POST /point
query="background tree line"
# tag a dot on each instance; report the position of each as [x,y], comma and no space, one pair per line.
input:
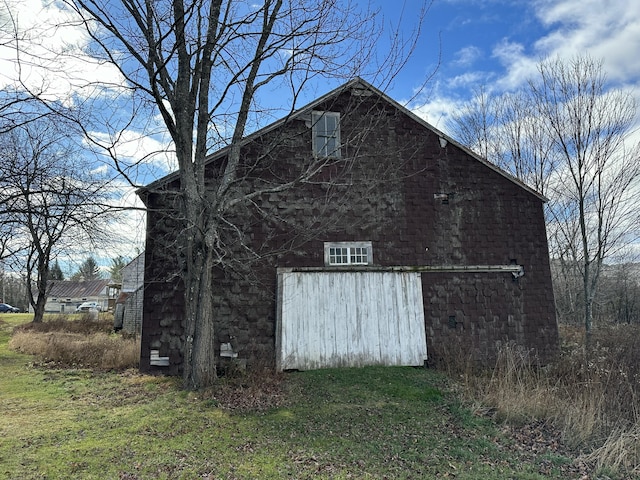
[571,137]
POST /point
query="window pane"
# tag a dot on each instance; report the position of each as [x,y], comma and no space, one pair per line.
[359,255]
[323,147]
[331,146]
[331,124]
[321,126]
[338,256]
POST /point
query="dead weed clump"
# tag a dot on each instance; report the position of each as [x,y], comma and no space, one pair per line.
[518,389]
[61,323]
[77,343]
[590,393]
[599,383]
[620,451]
[254,390]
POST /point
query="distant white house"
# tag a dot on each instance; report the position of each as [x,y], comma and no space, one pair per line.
[128,310]
[66,295]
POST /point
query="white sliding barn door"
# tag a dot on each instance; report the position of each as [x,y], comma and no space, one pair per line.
[349,319]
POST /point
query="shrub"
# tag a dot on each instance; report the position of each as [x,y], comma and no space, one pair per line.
[78,343]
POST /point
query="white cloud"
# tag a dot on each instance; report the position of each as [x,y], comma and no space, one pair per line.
[467,56]
[467,80]
[124,234]
[519,67]
[436,110]
[134,147]
[43,47]
[129,231]
[605,30]
[101,170]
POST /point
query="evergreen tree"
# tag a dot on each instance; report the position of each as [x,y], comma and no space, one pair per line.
[88,271]
[117,264]
[56,272]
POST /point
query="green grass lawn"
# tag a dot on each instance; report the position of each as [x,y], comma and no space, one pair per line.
[341,424]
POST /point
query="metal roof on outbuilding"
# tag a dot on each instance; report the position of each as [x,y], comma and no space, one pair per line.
[71,289]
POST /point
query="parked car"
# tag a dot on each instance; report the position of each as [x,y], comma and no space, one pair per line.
[86,306]
[6,308]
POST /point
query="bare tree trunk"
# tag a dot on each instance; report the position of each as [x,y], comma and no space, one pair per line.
[199,365]
[38,315]
[588,303]
[199,349]
[42,272]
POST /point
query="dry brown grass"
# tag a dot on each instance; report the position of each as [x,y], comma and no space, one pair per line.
[590,393]
[599,384]
[517,389]
[77,343]
[71,324]
[620,451]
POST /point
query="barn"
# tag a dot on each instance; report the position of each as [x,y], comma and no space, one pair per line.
[403,248]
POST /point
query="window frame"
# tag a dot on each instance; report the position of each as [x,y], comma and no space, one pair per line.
[320,134]
[349,255]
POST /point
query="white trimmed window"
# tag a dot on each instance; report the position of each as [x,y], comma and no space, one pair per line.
[326,134]
[348,253]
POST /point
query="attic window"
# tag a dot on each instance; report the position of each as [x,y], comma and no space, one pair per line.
[326,134]
[348,253]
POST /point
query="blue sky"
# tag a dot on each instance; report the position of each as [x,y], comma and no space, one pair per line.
[469,43]
[497,43]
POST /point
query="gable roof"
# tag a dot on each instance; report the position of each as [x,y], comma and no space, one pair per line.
[360,84]
[71,289]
